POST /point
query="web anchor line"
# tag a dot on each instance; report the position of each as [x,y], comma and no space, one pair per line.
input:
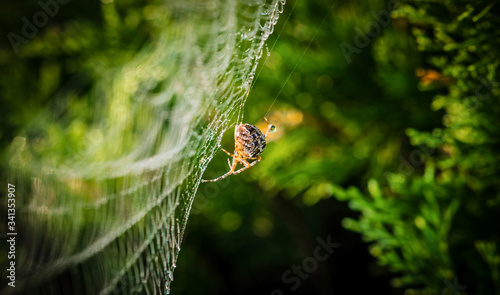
[238,120]
[301,56]
[275,41]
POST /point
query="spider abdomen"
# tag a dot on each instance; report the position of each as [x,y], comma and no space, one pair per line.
[249,140]
[249,143]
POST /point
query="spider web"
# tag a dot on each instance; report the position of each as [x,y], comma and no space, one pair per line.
[107,214]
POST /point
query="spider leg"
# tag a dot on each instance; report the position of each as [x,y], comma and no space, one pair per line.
[231,155]
[247,165]
[225,175]
[232,167]
[268,127]
[244,162]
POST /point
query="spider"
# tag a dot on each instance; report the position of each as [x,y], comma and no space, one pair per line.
[249,143]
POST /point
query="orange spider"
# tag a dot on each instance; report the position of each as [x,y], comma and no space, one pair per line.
[249,143]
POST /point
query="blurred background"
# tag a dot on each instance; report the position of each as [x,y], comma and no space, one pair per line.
[386,144]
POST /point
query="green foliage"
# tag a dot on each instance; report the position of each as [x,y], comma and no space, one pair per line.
[440,224]
[410,228]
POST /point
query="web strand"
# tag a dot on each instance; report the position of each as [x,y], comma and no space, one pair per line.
[274,43]
[301,56]
[110,215]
